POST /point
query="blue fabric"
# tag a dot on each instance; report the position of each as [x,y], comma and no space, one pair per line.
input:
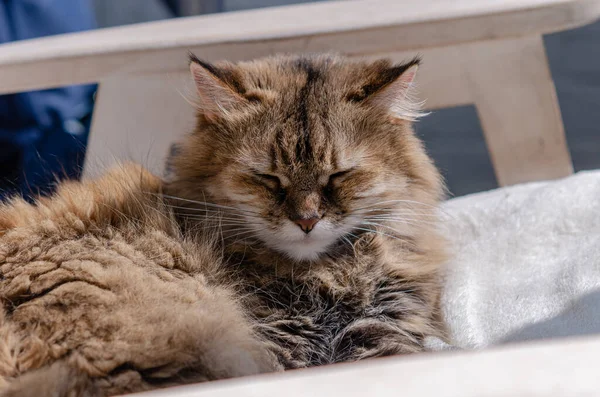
[43,134]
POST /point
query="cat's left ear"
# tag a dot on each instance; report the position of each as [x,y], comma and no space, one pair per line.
[392,88]
[217,97]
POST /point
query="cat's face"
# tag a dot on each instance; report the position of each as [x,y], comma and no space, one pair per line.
[304,153]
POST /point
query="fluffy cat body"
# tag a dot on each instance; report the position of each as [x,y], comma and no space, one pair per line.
[297,228]
[288,140]
[102,295]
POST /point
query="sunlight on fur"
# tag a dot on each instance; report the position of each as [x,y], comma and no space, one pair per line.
[297,227]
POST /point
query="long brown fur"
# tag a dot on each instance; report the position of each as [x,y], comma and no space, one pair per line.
[102,295]
[130,283]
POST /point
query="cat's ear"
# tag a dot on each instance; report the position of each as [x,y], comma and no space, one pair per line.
[216,97]
[392,88]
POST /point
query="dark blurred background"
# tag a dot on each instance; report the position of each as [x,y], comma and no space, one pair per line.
[453,136]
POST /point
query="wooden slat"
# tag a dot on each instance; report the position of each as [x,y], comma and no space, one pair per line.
[137,119]
[549,369]
[354,27]
[514,94]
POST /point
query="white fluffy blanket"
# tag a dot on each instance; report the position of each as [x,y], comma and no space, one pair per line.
[526,264]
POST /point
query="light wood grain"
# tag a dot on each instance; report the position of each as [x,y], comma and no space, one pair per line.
[137,119]
[548,369]
[354,27]
[513,92]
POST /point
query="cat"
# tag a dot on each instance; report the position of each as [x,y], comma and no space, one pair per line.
[297,227]
[325,200]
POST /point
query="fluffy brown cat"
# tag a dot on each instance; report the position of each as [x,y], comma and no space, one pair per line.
[297,228]
[325,199]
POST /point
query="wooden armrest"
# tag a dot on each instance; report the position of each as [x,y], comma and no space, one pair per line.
[353,27]
[558,368]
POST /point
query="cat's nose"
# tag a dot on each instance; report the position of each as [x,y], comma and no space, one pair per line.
[307,224]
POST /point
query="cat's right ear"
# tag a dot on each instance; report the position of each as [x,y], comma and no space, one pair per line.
[215,97]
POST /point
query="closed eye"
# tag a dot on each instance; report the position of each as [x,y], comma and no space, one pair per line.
[271,181]
[338,176]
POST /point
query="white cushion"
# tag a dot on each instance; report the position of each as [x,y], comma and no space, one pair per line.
[526,262]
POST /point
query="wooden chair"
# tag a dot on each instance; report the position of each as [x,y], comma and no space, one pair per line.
[487,53]
[548,369]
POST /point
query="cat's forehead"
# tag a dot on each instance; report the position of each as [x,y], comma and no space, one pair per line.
[304,131]
[290,73]
[302,144]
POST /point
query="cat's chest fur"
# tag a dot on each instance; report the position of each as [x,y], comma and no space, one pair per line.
[308,314]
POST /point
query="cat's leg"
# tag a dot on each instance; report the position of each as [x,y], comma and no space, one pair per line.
[372,337]
[296,341]
[397,321]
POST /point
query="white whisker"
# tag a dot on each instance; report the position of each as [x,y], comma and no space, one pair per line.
[241,234]
[400,201]
[410,221]
[397,201]
[215,214]
[213,220]
[203,203]
[381,233]
[385,226]
[226,225]
[345,239]
[400,214]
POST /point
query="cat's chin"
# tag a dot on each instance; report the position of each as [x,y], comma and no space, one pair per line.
[296,245]
[307,249]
